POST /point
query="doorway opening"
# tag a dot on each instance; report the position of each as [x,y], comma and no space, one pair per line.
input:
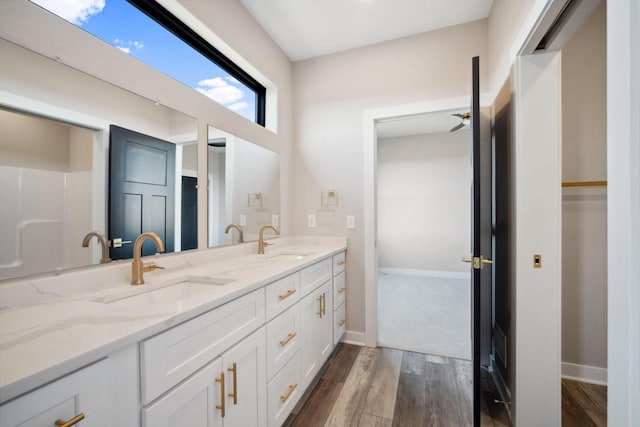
[423,226]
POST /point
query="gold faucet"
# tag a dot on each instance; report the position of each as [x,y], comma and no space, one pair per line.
[103,242]
[237,227]
[138,268]
[261,243]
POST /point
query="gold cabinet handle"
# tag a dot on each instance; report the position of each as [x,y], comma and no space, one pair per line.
[285,397]
[289,338]
[343,262]
[341,290]
[234,369]
[319,313]
[342,322]
[222,405]
[324,304]
[287,295]
[71,422]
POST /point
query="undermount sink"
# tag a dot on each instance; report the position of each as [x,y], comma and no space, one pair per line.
[287,255]
[165,294]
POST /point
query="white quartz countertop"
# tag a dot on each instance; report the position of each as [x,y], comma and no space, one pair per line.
[45,340]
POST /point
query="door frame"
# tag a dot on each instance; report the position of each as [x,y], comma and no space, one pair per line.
[370,118]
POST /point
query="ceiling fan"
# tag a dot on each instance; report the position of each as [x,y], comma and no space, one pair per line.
[466,118]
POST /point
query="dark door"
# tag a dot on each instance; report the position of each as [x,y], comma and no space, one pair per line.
[480,241]
[141,190]
[189,232]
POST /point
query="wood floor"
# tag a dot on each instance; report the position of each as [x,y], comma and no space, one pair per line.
[369,387]
[381,387]
[583,405]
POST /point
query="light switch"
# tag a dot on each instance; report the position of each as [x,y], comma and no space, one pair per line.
[311,221]
[243,220]
[351,222]
[275,219]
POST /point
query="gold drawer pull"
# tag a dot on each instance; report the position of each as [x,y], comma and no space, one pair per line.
[343,262]
[285,397]
[289,338]
[324,304]
[222,405]
[287,295]
[319,313]
[71,422]
[341,290]
[342,322]
[234,369]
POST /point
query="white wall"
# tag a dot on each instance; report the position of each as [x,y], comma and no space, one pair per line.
[584,210]
[423,201]
[331,94]
[505,22]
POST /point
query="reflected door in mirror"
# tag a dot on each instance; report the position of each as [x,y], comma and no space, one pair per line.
[141,190]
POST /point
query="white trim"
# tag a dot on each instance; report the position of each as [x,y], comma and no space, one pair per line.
[584,373]
[354,338]
[623,211]
[425,273]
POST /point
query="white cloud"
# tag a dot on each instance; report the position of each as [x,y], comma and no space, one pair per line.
[75,11]
[127,45]
[231,79]
[221,91]
[238,106]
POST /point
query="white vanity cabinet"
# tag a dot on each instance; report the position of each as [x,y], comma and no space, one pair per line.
[104,392]
[339,296]
[316,314]
[228,392]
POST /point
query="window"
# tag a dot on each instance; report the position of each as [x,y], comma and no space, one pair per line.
[150,33]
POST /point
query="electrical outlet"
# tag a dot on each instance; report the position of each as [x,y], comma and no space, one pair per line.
[351,222]
[275,219]
[243,220]
[311,221]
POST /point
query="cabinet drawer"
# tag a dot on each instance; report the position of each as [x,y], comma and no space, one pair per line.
[314,276]
[339,289]
[173,355]
[282,294]
[284,391]
[283,339]
[339,323]
[192,403]
[339,263]
[85,391]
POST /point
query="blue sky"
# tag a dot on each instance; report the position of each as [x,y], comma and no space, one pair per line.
[122,25]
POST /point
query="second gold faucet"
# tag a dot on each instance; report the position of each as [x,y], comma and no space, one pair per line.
[261,243]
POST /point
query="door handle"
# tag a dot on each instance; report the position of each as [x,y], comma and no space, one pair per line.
[118,242]
[477,261]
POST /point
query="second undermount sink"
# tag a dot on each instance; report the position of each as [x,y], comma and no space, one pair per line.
[287,255]
[167,293]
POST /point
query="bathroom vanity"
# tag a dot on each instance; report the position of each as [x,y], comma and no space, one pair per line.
[222,337]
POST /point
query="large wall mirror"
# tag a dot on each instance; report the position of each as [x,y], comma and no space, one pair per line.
[243,188]
[55,145]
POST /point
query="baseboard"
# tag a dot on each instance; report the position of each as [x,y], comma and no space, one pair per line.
[584,373]
[353,337]
[426,273]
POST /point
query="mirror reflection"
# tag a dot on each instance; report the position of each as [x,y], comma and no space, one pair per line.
[243,188]
[58,201]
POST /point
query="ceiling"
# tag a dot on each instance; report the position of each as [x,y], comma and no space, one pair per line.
[308,28]
[418,125]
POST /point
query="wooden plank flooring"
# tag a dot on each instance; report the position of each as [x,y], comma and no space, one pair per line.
[583,404]
[380,387]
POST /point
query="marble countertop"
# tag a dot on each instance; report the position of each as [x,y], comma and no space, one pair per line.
[65,328]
